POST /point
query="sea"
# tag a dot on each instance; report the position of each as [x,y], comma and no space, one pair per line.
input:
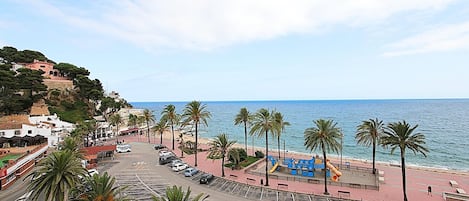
[444,122]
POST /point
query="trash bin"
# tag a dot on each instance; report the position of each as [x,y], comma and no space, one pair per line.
[262,182]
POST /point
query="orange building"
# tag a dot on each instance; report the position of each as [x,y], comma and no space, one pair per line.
[48,68]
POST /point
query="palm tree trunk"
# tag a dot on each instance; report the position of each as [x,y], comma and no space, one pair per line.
[196,142]
[117,134]
[278,144]
[223,165]
[161,138]
[325,170]
[172,132]
[266,158]
[245,137]
[374,155]
[403,175]
[182,147]
[148,134]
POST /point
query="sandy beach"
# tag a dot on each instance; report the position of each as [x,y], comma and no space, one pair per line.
[418,178]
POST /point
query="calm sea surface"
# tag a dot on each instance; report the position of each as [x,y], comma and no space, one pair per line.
[445,124]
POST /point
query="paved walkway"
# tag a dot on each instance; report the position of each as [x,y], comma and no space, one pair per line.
[391,189]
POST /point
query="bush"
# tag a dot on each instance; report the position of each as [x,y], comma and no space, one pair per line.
[259,154]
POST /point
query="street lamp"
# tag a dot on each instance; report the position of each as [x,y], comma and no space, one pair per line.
[341,147]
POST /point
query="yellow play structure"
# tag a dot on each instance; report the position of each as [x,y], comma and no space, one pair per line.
[336,172]
[273,168]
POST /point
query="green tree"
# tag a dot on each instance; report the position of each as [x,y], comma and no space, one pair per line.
[194,113]
[160,127]
[369,133]
[133,119]
[262,123]
[116,120]
[176,193]
[243,117]
[102,188]
[71,71]
[221,144]
[57,175]
[324,136]
[169,113]
[280,128]
[149,117]
[401,135]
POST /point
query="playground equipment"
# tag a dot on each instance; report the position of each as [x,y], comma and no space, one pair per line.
[274,168]
[334,170]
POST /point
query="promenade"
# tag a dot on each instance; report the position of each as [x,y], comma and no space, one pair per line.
[417,179]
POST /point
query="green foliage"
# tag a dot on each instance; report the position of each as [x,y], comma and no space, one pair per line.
[71,111]
[11,54]
[176,193]
[236,155]
[71,70]
[249,160]
[259,154]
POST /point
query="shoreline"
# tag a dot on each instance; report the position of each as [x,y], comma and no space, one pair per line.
[334,158]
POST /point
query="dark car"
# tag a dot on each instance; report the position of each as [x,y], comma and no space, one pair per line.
[166,160]
[206,178]
[159,146]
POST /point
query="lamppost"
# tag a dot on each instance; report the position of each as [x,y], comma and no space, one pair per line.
[284,150]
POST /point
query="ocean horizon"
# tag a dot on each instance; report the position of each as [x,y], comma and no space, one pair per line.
[442,121]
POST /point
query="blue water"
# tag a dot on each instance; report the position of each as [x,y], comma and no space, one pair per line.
[445,123]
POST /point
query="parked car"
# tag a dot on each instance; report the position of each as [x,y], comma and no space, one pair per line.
[164,153]
[189,172]
[166,160]
[123,148]
[206,178]
[92,172]
[174,162]
[179,166]
[159,146]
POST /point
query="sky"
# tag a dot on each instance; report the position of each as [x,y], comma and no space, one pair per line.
[223,50]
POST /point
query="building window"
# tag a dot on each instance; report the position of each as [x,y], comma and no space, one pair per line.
[17,132]
[42,66]
[51,72]
[30,132]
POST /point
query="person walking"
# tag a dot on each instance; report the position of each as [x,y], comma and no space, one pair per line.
[429,191]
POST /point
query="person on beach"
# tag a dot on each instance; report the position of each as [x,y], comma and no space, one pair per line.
[429,191]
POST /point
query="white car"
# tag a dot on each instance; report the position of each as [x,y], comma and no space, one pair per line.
[166,153]
[123,148]
[92,172]
[179,166]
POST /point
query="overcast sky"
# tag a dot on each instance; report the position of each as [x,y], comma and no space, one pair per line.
[253,50]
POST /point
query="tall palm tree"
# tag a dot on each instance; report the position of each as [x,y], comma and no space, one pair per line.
[262,123]
[102,188]
[369,133]
[176,193]
[169,113]
[116,120]
[194,113]
[400,135]
[324,136]
[280,128]
[243,117]
[221,144]
[149,118]
[160,127]
[133,120]
[57,175]
[71,144]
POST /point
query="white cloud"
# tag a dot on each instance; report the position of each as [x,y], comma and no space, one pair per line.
[208,24]
[441,38]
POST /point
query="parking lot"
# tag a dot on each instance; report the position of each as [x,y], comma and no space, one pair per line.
[144,177]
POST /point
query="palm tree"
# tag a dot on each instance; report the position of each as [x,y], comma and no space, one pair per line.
[71,144]
[369,133]
[102,188]
[400,135]
[243,117]
[177,194]
[149,117]
[221,144]
[133,120]
[194,113]
[262,123]
[116,120]
[280,128]
[169,113]
[323,136]
[160,127]
[56,175]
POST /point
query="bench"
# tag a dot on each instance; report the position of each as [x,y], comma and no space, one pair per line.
[453,183]
[233,176]
[460,190]
[343,193]
[280,185]
[381,179]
